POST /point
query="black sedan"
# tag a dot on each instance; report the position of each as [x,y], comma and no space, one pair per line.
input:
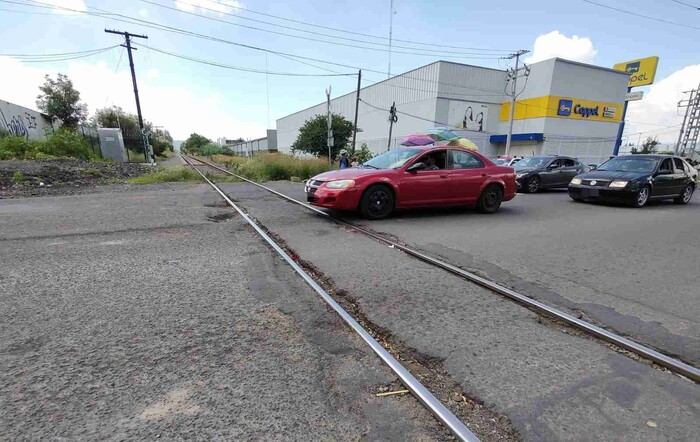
[636,179]
[546,172]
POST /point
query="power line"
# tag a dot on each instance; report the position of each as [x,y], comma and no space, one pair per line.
[241,68]
[661,20]
[686,4]
[354,40]
[26,12]
[440,123]
[149,24]
[48,58]
[61,53]
[349,32]
[472,55]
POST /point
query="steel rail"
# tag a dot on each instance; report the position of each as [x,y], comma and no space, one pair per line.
[456,427]
[659,358]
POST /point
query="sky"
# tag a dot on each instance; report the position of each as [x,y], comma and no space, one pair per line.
[186,96]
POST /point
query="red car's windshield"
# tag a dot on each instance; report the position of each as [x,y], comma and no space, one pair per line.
[392,159]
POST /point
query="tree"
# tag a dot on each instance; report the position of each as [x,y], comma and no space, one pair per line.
[59,99]
[195,143]
[362,154]
[648,146]
[313,136]
[114,116]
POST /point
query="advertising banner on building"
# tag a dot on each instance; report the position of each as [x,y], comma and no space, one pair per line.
[468,115]
[564,107]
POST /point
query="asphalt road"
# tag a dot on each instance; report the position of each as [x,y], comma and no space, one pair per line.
[635,271]
[150,314]
[553,384]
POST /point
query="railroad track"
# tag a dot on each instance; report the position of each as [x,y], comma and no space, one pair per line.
[670,363]
[444,415]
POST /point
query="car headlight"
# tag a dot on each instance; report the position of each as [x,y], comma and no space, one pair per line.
[618,184]
[340,184]
[576,181]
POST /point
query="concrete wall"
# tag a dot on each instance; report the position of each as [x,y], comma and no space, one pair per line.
[24,122]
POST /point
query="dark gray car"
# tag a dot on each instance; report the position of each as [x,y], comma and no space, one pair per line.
[546,172]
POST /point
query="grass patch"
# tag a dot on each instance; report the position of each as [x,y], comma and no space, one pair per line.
[175,174]
[17,177]
[274,166]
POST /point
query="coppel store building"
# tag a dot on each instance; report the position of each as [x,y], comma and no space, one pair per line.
[564,108]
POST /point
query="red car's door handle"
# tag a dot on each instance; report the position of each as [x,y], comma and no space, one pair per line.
[444,176]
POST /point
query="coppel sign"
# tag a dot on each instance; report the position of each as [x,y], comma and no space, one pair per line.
[641,72]
[566,107]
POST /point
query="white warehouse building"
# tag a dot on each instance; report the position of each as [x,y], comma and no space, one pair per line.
[563,107]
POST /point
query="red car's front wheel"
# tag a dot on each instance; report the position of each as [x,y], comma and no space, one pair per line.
[377,202]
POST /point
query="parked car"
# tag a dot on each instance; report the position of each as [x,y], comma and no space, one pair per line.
[546,172]
[636,179]
[506,161]
[414,177]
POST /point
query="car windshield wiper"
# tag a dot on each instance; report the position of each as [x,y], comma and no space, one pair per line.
[369,165]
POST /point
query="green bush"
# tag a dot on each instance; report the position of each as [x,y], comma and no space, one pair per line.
[211,149]
[63,143]
[278,166]
[67,143]
[12,147]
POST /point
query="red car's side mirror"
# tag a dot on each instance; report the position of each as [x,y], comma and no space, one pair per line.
[415,167]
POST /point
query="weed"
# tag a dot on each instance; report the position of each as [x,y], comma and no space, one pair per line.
[274,166]
[17,177]
[167,175]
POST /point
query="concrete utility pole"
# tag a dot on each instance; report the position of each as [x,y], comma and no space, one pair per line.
[690,129]
[330,126]
[127,39]
[357,107]
[393,118]
[513,75]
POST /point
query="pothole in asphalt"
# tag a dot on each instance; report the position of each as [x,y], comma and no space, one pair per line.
[220,217]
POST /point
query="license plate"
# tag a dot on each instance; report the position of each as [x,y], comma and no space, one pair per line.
[592,193]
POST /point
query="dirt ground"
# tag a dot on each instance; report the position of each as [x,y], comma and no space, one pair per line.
[61,177]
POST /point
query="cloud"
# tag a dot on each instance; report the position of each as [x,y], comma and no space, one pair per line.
[555,44]
[152,73]
[660,107]
[76,5]
[179,109]
[143,12]
[208,6]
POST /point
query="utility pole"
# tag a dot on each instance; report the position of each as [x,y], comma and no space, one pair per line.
[127,39]
[688,136]
[357,107]
[391,29]
[513,75]
[393,118]
[330,126]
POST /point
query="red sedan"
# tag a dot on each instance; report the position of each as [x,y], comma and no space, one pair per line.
[415,177]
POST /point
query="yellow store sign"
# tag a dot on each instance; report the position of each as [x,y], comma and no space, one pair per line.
[642,71]
[563,107]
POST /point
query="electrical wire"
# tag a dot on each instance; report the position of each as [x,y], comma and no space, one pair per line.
[50,58]
[472,56]
[240,8]
[172,29]
[661,20]
[439,123]
[686,4]
[60,53]
[240,68]
[445,53]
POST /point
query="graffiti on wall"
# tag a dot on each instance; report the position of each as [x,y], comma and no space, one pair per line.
[22,122]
